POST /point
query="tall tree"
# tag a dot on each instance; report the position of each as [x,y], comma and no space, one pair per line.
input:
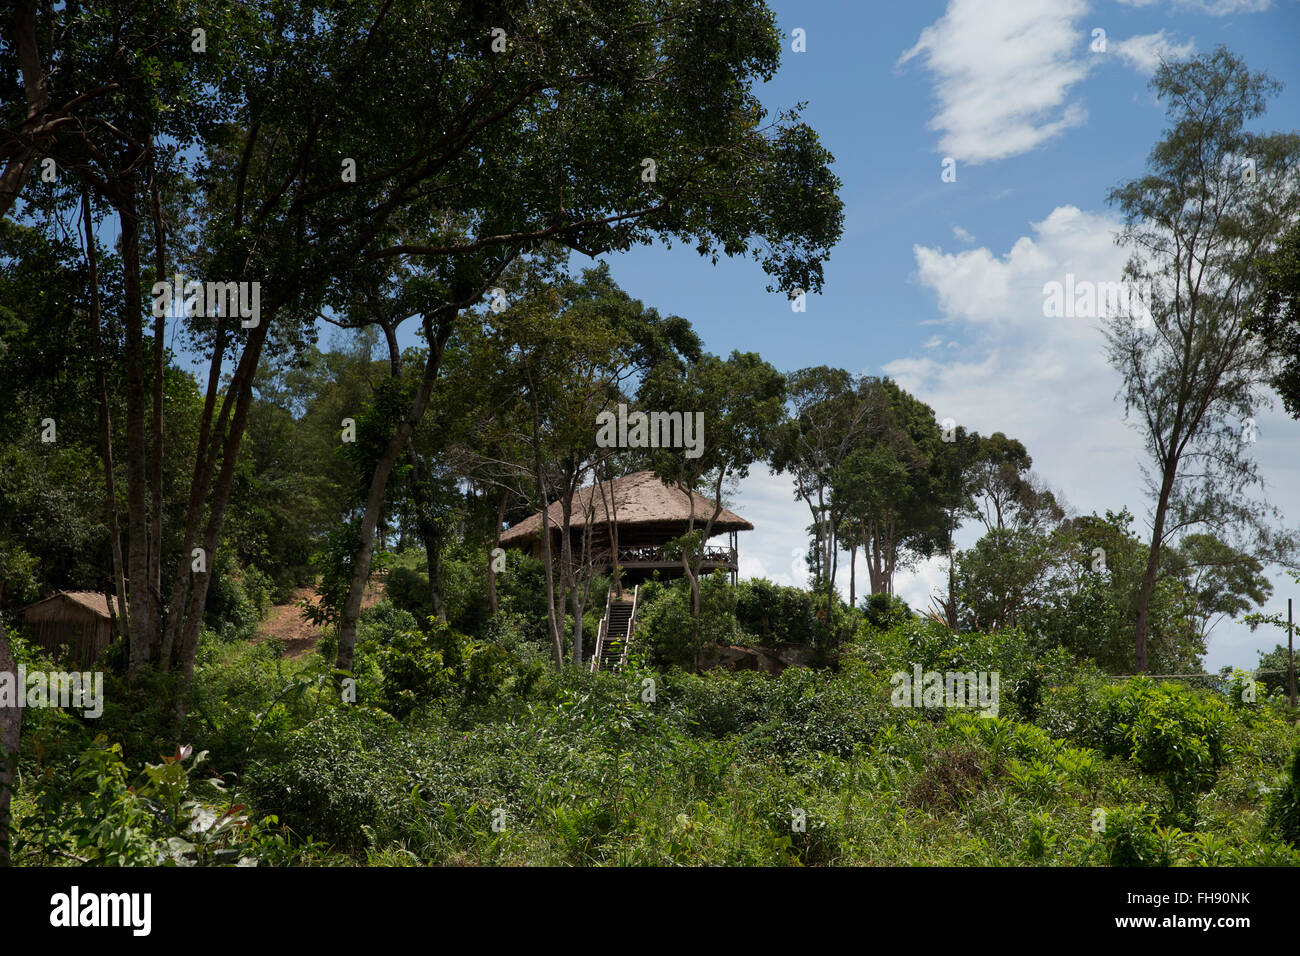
[1214,199]
[741,400]
[11,726]
[829,417]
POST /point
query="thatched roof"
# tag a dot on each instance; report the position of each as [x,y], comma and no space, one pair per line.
[636,499]
[63,604]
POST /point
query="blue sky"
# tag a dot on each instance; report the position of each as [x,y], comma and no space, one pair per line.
[939,284]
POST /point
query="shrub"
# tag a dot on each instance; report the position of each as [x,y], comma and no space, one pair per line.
[1173,733]
[667,628]
[1284,807]
[883,611]
[948,778]
[102,814]
[1133,837]
[345,769]
[237,599]
[408,590]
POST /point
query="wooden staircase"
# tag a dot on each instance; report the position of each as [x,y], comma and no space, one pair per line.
[615,634]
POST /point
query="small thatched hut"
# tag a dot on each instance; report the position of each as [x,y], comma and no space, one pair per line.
[640,514]
[75,622]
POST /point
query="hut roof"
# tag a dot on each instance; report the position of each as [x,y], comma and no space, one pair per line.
[63,601]
[636,499]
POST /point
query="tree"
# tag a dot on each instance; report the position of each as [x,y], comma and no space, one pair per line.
[829,417]
[1095,575]
[741,400]
[1277,321]
[900,484]
[290,98]
[1004,491]
[1219,580]
[1193,373]
[1006,576]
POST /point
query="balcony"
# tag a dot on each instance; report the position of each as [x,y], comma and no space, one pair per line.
[651,557]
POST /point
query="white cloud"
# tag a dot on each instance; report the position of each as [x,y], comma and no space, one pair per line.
[1042,380]
[933,342]
[963,235]
[1223,8]
[1047,382]
[1144,52]
[1003,71]
[1215,8]
[775,548]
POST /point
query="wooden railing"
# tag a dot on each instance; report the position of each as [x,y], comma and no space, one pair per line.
[660,555]
[631,623]
[600,633]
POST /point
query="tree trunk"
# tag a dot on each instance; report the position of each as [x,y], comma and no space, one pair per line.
[157,451]
[1141,623]
[853,572]
[105,423]
[142,624]
[182,592]
[242,384]
[548,563]
[375,496]
[36,84]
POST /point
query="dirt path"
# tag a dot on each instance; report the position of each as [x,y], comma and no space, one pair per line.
[300,636]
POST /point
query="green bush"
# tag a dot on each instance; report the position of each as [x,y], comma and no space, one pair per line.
[796,713]
[667,630]
[775,614]
[1175,734]
[103,814]
[1284,807]
[237,600]
[1133,837]
[343,773]
[883,611]
[408,590]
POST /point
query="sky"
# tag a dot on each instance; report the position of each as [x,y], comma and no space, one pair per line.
[939,284]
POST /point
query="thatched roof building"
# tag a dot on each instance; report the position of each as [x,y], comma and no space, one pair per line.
[639,514]
[75,622]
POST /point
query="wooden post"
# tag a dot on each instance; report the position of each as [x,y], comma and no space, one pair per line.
[1290,644]
[735,560]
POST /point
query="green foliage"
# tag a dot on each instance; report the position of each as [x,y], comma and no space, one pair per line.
[168,814]
[1135,838]
[1177,735]
[667,628]
[1284,807]
[777,614]
[713,770]
[418,668]
[339,774]
[238,599]
[883,611]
